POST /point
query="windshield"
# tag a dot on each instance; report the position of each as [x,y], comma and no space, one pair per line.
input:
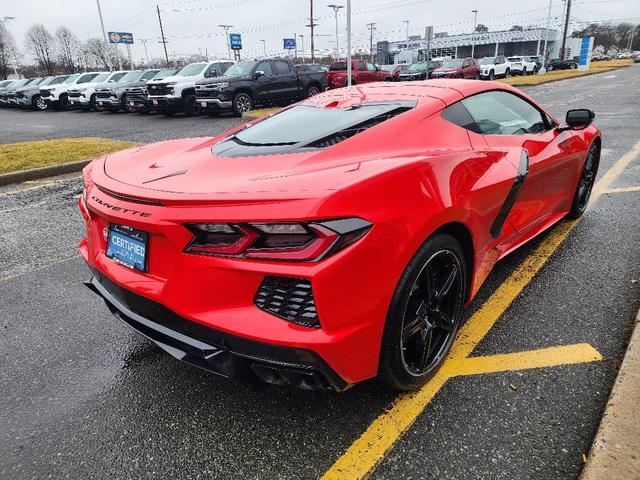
[100,78]
[487,60]
[192,69]
[47,81]
[305,123]
[239,69]
[418,67]
[20,83]
[131,77]
[148,75]
[338,66]
[58,80]
[117,76]
[453,64]
[165,73]
[5,83]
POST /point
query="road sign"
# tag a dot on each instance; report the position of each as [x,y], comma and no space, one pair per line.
[235,39]
[121,37]
[289,43]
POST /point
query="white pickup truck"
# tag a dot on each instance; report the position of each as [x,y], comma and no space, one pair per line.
[492,67]
[56,96]
[177,93]
[84,96]
[522,66]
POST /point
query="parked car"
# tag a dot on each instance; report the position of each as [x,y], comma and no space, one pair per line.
[558,64]
[178,92]
[361,72]
[136,95]
[419,71]
[522,66]
[395,70]
[30,97]
[493,67]
[315,68]
[84,97]
[9,90]
[334,241]
[57,96]
[14,92]
[112,98]
[458,68]
[259,83]
[4,85]
[539,60]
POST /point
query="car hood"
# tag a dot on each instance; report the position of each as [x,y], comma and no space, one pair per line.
[188,170]
[175,78]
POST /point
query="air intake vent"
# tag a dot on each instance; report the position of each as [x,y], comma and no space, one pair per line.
[288,298]
[342,135]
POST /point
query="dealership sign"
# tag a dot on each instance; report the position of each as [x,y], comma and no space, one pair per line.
[235,40]
[289,43]
[121,37]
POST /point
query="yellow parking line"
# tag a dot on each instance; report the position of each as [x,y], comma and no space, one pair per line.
[368,449]
[621,190]
[544,357]
[42,267]
[39,185]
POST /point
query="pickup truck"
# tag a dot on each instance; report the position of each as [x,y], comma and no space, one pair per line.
[492,67]
[57,96]
[177,93]
[361,72]
[84,96]
[258,83]
[522,66]
[113,98]
[136,96]
[29,96]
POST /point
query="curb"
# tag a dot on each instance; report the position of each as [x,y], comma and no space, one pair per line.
[615,453]
[42,172]
[551,80]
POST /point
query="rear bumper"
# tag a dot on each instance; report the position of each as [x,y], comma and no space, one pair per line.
[248,362]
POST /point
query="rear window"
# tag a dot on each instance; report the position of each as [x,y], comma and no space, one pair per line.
[336,67]
[308,126]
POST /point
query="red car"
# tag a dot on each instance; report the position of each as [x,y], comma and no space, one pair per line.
[458,68]
[338,239]
[361,72]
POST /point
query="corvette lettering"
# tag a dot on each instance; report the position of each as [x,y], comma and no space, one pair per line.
[115,208]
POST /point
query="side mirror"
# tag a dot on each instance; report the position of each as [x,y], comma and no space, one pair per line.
[258,74]
[577,119]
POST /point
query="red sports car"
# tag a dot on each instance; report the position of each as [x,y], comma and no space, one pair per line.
[338,239]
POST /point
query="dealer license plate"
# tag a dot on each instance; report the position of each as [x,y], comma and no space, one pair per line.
[128,246]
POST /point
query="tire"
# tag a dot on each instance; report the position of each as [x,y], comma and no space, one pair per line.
[63,102]
[312,90]
[125,105]
[573,66]
[242,103]
[388,79]
[476,76]
[585,183]
[507,73]
[524,72]
[92,102]
[549,68]
[39,103]
[417,318]
[492,75]
[191,108]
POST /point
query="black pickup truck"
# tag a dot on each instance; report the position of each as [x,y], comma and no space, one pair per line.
[247,85]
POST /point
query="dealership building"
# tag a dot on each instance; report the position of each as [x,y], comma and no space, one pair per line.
[529,41]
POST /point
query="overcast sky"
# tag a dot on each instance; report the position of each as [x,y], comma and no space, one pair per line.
[191,25]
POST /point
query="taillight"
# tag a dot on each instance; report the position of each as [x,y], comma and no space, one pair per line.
[86,181]
[288,241]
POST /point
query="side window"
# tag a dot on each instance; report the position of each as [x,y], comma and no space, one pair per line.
[211,71]
[458,115]
[503,113]
[371,67]
[225,66]
[281,68]
[361,66]
[265,67]
[465,63]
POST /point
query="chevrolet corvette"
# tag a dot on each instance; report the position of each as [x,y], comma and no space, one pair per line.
[337,240]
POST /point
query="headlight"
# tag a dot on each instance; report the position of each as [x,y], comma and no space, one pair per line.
[222,85]
[113,89]
[301,242]
[170,83]
[82,89]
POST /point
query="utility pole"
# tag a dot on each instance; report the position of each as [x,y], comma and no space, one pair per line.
[336,8]
[349,43]
[406,22]
[312,25]
[633,32]
[475,25]
[226,34]
[164,40]
[566,28]
[295,46]
[543,69]
[371,26]
[146,54]
[104,33]
[264,48]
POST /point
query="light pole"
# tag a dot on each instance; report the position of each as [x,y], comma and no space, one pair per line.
[264,48]
[226,34]
[336,9]
[372,27]
[475,24]
[15,51]
[349,43]
[406,22]
[302,46]
[146,53]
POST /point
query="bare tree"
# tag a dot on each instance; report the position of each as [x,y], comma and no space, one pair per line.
[69,51]
[100,52]
[8,52]
[41,44]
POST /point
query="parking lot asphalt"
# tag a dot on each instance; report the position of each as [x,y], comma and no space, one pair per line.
[85,397]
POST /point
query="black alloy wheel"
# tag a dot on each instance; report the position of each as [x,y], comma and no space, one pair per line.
[92,103]
[425,314]
[191,107]
[476,76]
[586,182]
[63,102]
[312,90]
[40,103]
[492,75]
[242,103]
[507,73]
